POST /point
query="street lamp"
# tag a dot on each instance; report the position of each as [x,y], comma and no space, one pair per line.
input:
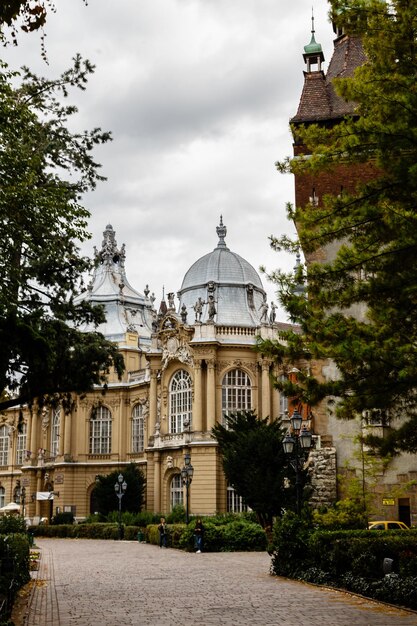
[120,488]
[20,496]
[297,444]
[187,477]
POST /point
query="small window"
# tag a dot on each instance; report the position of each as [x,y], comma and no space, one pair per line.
[55,431]
[177,494]
[235,503]
[2,496]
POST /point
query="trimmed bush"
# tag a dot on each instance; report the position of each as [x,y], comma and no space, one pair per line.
[351,560]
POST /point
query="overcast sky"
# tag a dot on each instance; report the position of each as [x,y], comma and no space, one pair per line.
[197,94]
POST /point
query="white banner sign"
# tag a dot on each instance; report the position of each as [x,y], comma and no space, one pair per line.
[44,495]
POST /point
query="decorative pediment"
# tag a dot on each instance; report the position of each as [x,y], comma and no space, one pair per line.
[174,339]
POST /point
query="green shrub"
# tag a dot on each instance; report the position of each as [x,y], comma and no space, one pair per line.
[291,536]
[177,515]
[12,524]
[63,518]
[222,535]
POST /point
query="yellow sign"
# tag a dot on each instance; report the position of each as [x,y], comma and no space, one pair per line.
[388,501]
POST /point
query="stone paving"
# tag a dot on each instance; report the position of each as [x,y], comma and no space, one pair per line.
[111,583]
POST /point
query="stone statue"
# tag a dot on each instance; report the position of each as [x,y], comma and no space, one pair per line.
[264,311]
[272,315]
[198,308]
[171,300]
[211,308]
[184,314]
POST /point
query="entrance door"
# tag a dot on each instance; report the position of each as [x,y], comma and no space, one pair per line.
[404,510]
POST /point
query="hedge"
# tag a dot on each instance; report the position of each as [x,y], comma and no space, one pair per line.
[351,559]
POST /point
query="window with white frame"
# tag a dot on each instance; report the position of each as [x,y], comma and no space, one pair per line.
[180,401]
[137,429]
[2,496]
[177,492]
[100,431]
[236,392]
[55,431]
[283,400]
[235,503]
[21,445]
[4,445]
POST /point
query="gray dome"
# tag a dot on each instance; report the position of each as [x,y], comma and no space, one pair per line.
[229,280]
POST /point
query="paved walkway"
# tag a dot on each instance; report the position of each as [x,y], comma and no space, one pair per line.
[112,583]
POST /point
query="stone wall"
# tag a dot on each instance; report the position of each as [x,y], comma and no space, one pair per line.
[323,471]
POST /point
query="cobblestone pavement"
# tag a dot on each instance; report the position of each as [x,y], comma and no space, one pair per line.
[112,583]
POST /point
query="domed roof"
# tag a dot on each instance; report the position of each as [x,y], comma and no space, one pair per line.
[225,280]
[125,308]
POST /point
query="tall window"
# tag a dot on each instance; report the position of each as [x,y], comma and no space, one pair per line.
[55,431]
[177,494]
[180,401]
[236,392]
[235,503]
[4,445]
[137,429]
[2,496]
[21,445]
[100,431]
[283,400]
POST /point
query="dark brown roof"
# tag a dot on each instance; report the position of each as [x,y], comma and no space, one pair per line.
[318,100]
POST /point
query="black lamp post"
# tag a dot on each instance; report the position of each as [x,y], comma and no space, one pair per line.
[120,488]
[296,445]
[20,497]
[187,477]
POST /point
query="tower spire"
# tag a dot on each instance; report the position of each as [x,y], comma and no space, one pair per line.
[313,53]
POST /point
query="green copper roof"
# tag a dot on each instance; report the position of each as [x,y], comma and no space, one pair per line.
[313,47]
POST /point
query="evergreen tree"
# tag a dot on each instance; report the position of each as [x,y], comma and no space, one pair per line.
[374,229]
[44,170]
[255,464]
[104,496]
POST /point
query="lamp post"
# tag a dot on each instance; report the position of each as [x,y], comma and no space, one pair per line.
[21,497]
[297,444]
[120,488]
[187,477]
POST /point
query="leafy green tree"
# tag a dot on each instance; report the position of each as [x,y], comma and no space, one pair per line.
[44,170]
[104,496]
[255,464]
[374,229]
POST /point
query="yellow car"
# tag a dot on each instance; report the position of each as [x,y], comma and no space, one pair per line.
[387,525]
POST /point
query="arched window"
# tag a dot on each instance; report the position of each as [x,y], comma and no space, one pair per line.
[55,431]
[235,503]
[21,445]
[4,445]
[180,405]
[177,494]
[100,431]
[2,496]
[137,429]
[236,392]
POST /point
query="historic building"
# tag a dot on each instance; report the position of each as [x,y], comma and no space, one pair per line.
[393,484]
[186,365]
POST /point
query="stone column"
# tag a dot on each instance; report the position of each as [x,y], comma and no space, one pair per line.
[157,480]
[33,436]
[62,422]
[152,403]
[197,424]
[266,390]
[29,436]
[211,394]
[38,488]
[67,434]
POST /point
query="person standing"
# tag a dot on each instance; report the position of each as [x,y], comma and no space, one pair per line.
[198,533]
[162,528]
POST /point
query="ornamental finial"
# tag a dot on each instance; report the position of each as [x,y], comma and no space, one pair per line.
[221,231]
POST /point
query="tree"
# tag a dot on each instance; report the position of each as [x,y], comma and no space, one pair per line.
[374,228]
[254,463]
[104,496]
[29,15]
[44,170]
